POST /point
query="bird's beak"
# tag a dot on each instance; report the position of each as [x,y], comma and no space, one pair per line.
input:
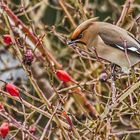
[71,42]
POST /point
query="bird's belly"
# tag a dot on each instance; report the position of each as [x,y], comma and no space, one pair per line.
[117,56]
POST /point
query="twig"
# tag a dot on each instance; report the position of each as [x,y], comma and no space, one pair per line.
[138,27]
[125,50]
[48,123]
[113,87]
[125,132]
[62,3]
[21,26]
[81,9]
[16,123]
[125,10]
[45,113]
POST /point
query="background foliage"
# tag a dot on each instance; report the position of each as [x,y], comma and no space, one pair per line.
[52,109]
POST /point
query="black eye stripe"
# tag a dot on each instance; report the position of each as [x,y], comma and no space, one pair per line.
[79,36]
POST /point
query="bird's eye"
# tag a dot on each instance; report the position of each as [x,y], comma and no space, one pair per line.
[80,36]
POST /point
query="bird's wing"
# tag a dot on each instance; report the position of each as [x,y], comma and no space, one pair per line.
[120,39]
[138,41]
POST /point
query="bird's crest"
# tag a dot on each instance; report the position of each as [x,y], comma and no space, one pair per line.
[82,27]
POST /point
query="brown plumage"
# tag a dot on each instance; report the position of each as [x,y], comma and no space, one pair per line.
[112,43]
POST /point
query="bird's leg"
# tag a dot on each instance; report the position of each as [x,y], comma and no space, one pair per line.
[113,88]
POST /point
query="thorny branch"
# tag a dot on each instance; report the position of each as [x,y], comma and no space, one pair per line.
[91,105]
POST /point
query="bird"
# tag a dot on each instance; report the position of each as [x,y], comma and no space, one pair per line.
[111,43]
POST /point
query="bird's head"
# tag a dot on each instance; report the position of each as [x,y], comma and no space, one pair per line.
[85,33]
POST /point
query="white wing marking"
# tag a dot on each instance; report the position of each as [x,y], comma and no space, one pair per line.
[130,48]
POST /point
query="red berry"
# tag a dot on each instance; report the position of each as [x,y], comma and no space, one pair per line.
[4,129]
[63,76]
[67,118]
[7,39]
[12,89]
[28,57]
[1,106]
